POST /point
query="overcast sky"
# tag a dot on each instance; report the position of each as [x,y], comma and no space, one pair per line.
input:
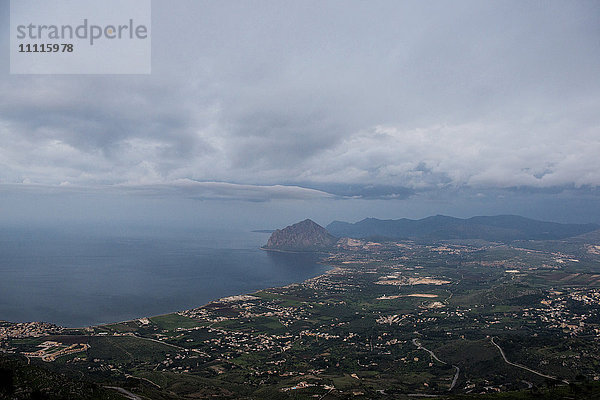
[389,109]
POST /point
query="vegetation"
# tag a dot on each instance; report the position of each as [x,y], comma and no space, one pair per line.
[389,320]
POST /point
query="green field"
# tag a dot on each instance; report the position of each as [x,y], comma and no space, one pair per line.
[335,337]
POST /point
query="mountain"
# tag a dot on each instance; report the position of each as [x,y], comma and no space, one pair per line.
[500,228]
[303,236]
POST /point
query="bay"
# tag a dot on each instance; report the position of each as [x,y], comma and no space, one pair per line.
[79,277]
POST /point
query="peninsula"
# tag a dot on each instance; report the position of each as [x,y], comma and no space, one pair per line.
[392,319]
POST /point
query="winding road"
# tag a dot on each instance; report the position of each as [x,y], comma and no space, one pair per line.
[420,347]
[524,367]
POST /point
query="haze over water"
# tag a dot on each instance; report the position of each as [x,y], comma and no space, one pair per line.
[80,278]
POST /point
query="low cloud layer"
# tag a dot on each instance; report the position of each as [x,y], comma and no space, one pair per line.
[312,99]
[226,191]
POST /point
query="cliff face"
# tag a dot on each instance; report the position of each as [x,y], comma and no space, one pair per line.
[303,236]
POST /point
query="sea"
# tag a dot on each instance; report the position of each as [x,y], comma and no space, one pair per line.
[81,277]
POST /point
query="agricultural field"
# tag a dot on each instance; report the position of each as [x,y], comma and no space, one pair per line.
[397,320]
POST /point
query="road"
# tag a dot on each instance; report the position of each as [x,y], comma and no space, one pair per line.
[142,379]
[159,341]
[524,367]
[420,347]
[126,393]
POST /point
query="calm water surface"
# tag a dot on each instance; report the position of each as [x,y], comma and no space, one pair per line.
[80,278]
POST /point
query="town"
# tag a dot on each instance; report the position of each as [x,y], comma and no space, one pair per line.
[388,319]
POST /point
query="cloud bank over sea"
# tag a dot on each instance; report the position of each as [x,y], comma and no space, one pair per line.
[312,101]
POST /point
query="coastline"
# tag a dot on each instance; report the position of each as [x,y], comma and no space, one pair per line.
[330,269]
[87,327]
[263,248]
[124,279]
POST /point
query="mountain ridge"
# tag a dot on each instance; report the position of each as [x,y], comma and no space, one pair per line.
[502,228]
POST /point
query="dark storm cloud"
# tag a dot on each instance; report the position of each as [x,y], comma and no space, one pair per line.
[376,100]
[90,130]
[92,114]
